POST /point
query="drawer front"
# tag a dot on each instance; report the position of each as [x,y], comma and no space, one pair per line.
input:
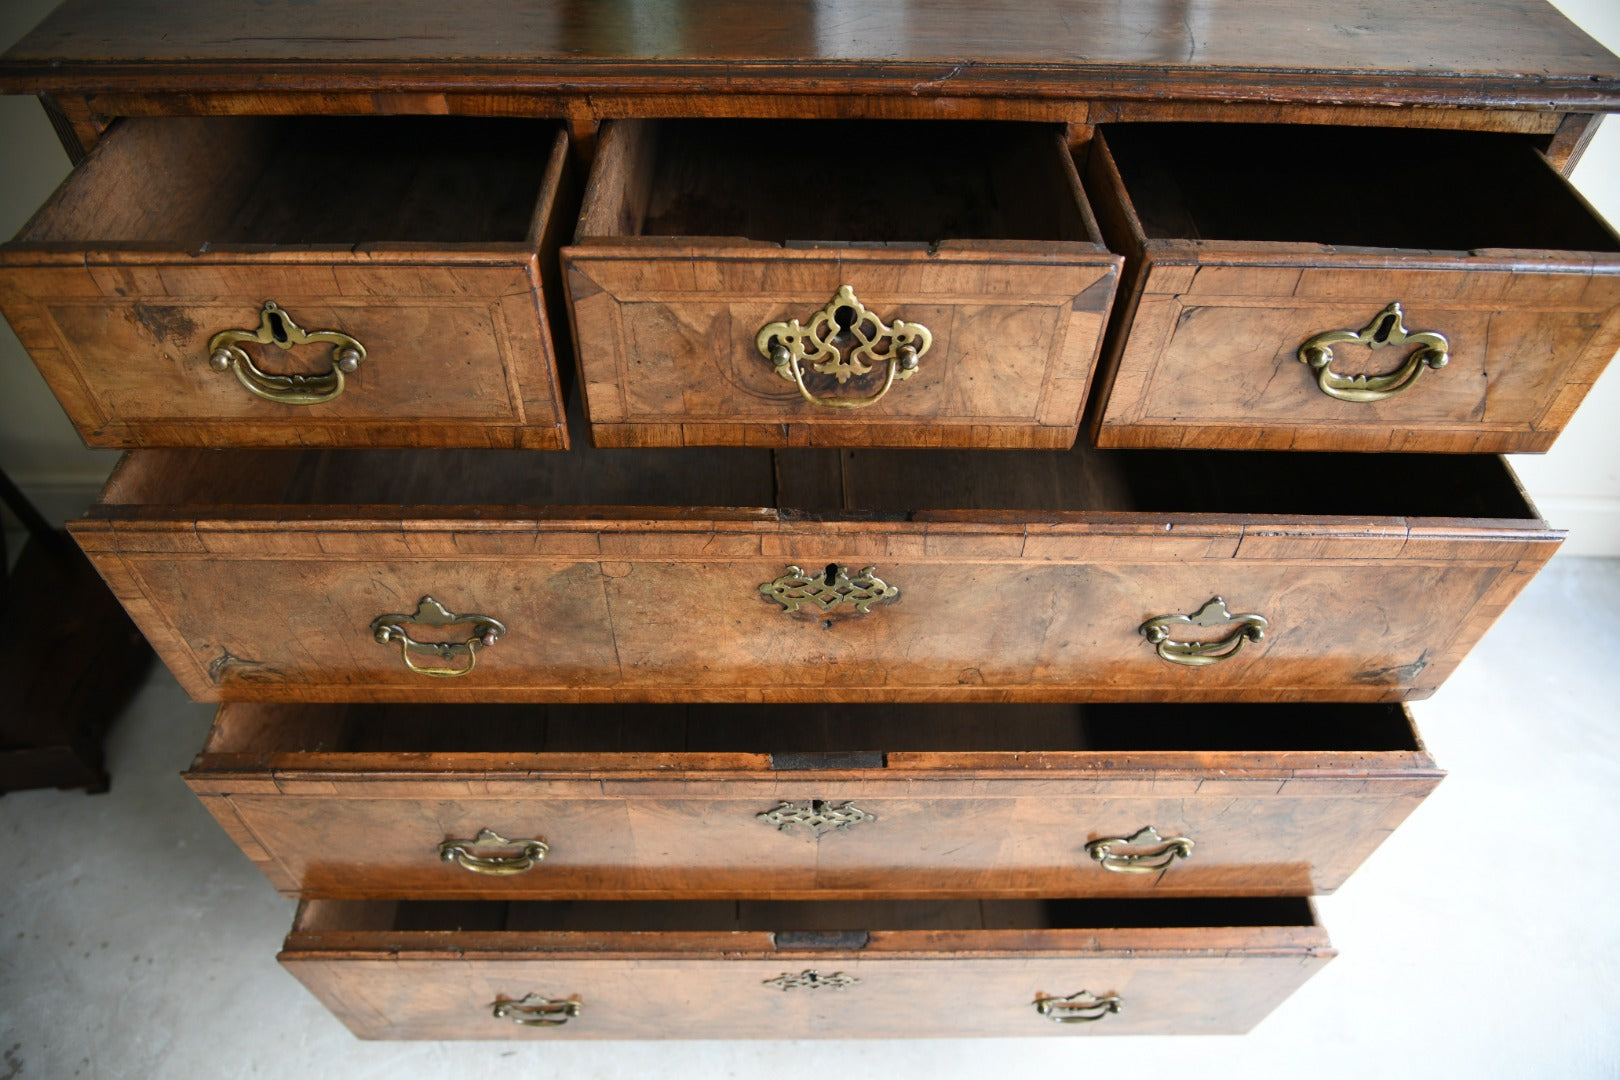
[1350,316]
[293,614]
[1213,354]
[663,981]
[255,304]
[669,345]
[377,834]
[456,351]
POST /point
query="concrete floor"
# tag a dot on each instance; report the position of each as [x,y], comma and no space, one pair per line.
[1479,941]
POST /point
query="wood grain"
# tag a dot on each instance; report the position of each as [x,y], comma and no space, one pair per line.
[710,968]
[116,287]
[1276,52]
[1040,600]
[1204,352]
[353,803]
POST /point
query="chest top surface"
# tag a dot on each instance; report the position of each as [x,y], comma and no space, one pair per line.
[1481,53]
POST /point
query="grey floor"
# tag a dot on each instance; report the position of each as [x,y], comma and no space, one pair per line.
[1480,940]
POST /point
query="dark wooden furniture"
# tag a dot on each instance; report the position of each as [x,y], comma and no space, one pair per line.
[851,684]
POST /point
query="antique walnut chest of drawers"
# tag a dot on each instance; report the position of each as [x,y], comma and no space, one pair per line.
[804,518]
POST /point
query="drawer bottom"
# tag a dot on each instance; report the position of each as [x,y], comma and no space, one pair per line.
[815,969]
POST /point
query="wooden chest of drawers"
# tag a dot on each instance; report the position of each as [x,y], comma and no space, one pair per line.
[817,673]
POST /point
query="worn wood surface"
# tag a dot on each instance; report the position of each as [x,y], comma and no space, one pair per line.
[349,802]
[1221,297]
[692,238]
[1474,53]
[1024,577]
[432,260]
[389,972]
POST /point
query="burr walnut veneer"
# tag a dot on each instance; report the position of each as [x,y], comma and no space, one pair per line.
[616,464]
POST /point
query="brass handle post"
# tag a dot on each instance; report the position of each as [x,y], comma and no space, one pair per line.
[276,327]
[1247,627]
[844,322]
[491,853]
[429,612]
[1386,329]
[532,1010]
[1144,852]
[1081,1008]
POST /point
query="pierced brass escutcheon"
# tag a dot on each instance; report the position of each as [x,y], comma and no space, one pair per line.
[1386,329]
[1082,1008]
[1202,653]
[830,589]
[276,327]
[535,1011]
[429,612]
[818,816]
[845,321]
[812,980]
[491,853]
[1160,851]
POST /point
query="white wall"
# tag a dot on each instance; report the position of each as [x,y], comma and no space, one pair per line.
[1577,484]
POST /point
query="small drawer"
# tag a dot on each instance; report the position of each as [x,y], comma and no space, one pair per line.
[833,283]
[792,970]
[300,282]
[804,801]
[742,575]
[1308,288]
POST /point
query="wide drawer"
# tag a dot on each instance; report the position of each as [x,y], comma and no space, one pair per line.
[300,282]
[784,970]
[781,801]
[799,575]
[1310,289]
[831,283]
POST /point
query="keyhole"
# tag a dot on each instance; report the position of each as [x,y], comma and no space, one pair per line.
[831,575]
[278,329]
[1386,326]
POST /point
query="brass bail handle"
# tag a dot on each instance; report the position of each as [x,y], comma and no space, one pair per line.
[429,612]
[1145,851]
[276,327]
[533,1010]
[1081,1008]
[1386,329]
[1247,627]
[491,853]
[845,320]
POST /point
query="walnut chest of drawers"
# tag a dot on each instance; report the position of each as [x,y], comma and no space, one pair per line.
[804,518]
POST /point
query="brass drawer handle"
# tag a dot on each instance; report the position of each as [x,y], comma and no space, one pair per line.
[1433,350]
[1161,851]
[490,853]
[429,612]
[276,327]
[536,1011]
[844,322]
[830,589]
[1201,653]
[1082,1008]
[812,980]
[817,815]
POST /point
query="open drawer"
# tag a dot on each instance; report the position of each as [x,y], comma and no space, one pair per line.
[491,801]
[237,281]
[836,283]
[786,970]
[1311,289]
[810,575]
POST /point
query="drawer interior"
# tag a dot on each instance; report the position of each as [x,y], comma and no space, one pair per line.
[850,181]
[1368,187]
[809,736]
[864,484]
[787,917]
[200,182]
